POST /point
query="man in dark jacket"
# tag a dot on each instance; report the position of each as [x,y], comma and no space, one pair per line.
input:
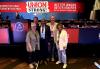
[44,40]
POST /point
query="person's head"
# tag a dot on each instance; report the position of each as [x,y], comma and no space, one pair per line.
[35,20]
[43,22]
[52,19]
[59,26]
[33,27]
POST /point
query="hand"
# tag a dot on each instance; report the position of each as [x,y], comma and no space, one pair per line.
[30,49]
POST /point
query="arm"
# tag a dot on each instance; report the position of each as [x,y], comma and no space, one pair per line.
[65,37]
[48,33]
[38,41]
[28,44]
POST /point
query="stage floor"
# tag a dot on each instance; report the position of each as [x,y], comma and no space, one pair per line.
[73,63]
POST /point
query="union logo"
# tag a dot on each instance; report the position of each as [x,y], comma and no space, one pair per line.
[19,26]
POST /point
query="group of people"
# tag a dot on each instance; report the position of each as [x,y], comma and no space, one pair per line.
[43,40]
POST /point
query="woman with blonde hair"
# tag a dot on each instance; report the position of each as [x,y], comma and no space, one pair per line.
[61,43]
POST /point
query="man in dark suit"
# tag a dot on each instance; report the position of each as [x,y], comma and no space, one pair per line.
[44,40]
[35,20]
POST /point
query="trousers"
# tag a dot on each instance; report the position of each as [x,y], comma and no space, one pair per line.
[62,56]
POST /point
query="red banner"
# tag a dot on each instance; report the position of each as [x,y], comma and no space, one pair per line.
[12,7]
[41,7]
[65,7]
[19,26]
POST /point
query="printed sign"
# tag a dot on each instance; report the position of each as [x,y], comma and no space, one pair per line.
[41,7]
[37,6]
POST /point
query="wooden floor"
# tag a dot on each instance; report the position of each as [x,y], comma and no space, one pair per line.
[14,57]
[73,63]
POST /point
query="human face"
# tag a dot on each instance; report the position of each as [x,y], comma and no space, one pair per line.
[43,22]
[35,20]
[33,28]
[60,28]
[52,19]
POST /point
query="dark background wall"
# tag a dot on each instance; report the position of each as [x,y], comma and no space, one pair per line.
[88,6]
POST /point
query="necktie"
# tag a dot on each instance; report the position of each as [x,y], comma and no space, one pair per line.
[42,29]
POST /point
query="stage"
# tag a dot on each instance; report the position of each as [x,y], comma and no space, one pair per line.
[73,63]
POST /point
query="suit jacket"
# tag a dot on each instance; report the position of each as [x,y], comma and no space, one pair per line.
[47,33]
[63,40]
[31,38]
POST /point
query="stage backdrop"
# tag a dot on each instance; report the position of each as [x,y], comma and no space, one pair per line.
[27,9]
